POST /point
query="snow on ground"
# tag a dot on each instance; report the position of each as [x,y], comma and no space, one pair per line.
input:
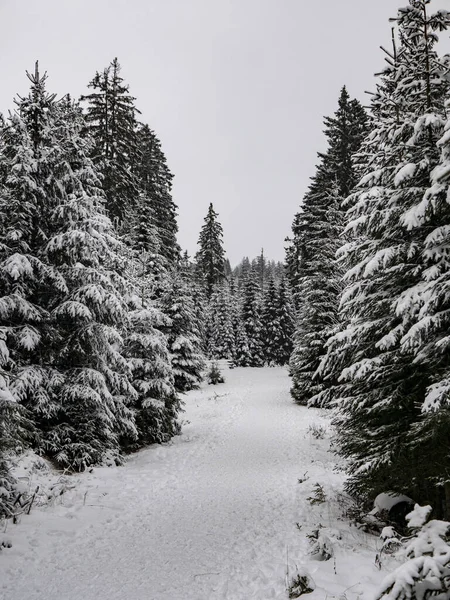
[210,516]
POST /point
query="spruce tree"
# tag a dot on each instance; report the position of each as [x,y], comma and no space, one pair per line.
[155,181]
[183,334]
[61,300]
[270,324]
[221,339]
[375,358]
[146,347]
[210,258]
[286,324]
[261,269]
[251,321]
[9,442]
[312,264]
[112,123]
[277,324]
[242,353]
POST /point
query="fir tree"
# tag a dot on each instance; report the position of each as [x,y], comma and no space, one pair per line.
[425,308]
[270,324]
[382,388]
[251,321]
[61,304]
[261,269]
[286,324]
[277,324]
[317,237]
[155,180]
[146,346]
[242,353]
[221,337]
[111,119]
[210,258]
[9,442]
[183,335]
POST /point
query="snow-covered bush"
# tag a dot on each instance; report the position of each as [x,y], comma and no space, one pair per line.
[214,374]
[317,431]
[426,572]
[318,496]
[300,584]
[6,490]
[322,541]
[8,432]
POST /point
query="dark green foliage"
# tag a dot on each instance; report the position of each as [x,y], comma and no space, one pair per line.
[312,267]
[183,334]
[214,374]
[389,427]
[64,310]
[264,268]
[221,342]
[10,419]
[269,322]
[277,321]
[111,119]
[286,324]
[157,405]
[155,181]
[250,341]
[210,259]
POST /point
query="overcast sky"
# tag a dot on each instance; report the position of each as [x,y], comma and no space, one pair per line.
[235,89]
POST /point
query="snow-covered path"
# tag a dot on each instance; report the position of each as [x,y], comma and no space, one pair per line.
[210,516]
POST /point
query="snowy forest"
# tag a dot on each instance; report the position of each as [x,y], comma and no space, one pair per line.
[106,323]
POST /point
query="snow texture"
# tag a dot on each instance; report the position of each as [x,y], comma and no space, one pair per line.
[210,516]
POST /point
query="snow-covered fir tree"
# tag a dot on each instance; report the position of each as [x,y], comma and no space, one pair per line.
[210,259]
[10,419]
[424,308]
[221,333]
[270,323]
[62,291]
[184,337]
[251,322]
[286,324]
[147,349]
[313,267]
[377,355]
[242,352]
[426,572]
[277,321]
[112,123]
[155,181]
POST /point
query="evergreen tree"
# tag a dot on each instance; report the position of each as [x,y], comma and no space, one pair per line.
[382,388]
[425,308]
[286,324]
[221,342]
[242,353]
[146,346]
[183,335]
[9,438]
[261,269]
[111,119]
[61,303]
[155,180]
[145,244]
[277,324]
[251,321]
[210,258]
[317,236]
[270,324]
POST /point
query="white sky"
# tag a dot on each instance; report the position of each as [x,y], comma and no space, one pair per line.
[235,89]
